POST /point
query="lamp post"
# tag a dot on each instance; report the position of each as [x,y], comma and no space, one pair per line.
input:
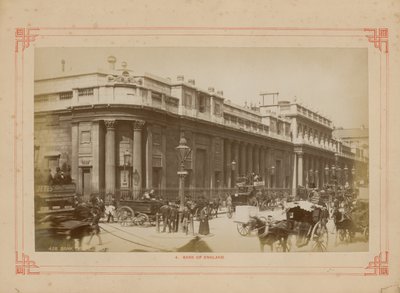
[353,175]
[126,163]
[273,176]
[183,152]
[233,169]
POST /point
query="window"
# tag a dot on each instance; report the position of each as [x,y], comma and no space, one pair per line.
[187,100]
[202,104]
[217,109]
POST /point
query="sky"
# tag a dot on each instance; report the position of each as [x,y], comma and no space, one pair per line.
[333,81]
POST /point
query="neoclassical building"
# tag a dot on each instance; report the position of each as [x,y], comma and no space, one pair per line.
[118,132]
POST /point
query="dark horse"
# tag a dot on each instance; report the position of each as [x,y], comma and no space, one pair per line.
[344,226]
[271,233]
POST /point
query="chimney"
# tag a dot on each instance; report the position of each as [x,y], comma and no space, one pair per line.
[221,93]
[192,81]
[62,65]
[211,89]
[111,61]
[180,78]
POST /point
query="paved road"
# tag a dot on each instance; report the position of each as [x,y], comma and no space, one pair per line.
[223,237]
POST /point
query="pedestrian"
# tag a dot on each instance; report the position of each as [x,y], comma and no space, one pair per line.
[204,228]
[315,196]
[165,211]
[174,217]
[186,219]
[57,176]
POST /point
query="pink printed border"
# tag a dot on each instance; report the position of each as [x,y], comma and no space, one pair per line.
[25,37]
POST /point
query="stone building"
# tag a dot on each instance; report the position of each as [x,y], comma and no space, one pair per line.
[119,132]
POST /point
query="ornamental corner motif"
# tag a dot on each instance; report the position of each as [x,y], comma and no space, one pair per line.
[25,266]
[379,37]
[379,266]
[24,37]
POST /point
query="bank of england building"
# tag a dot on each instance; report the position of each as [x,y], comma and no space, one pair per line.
[116,132]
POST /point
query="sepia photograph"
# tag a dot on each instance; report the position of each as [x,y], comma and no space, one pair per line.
[201,149]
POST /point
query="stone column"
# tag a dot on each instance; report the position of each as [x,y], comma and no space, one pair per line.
[294,175]
[149,157]
[249,159]
[242,164]
[137,158]
[262,164]
[95,157]
[227,165]
[164,162]
[300,169]
[236,158]
[256,159]
[110,155]
[75,156]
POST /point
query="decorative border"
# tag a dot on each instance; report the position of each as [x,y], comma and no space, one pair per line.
[24,37]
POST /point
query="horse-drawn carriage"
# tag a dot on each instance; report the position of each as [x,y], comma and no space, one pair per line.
[306,222]
[58,232]
[246,192]
[138,212]
[351,218]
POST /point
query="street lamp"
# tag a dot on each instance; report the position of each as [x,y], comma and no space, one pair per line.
[233,165]
[327,173]
[125,180]
[233,169]
[183,152]
[272,174]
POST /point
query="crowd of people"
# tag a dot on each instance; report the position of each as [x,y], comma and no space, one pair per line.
[61,176]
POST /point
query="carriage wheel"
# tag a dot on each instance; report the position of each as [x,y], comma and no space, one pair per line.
[243,229]
[319,237]
[125,216]
[141,219]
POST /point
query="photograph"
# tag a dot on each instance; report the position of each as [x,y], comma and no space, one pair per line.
[201,149]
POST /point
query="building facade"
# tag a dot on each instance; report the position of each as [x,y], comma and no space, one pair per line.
[118,133]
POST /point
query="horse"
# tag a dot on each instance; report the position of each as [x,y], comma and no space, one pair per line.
[344,225]
[271,233]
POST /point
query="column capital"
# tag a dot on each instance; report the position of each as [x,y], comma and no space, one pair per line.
[138,124]
[110,123]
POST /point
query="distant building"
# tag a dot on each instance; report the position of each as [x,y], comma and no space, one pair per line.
[118,133]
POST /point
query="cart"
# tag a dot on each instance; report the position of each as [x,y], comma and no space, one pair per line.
[242,218]
[137,212]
